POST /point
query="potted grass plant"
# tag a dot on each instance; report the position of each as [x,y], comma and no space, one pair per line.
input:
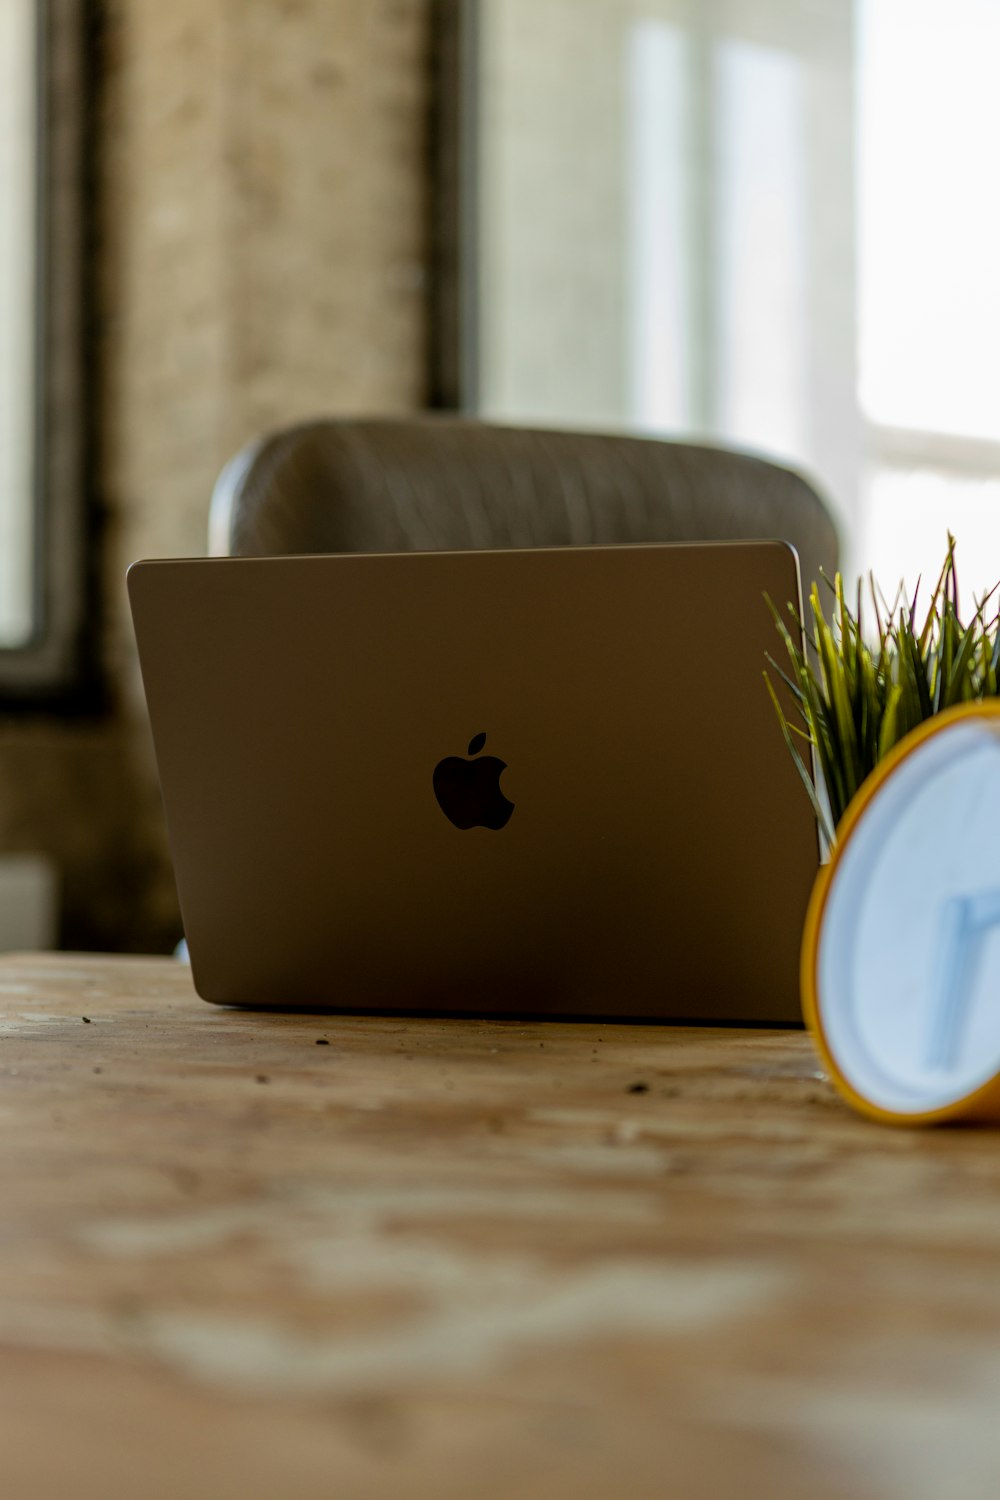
[856,696]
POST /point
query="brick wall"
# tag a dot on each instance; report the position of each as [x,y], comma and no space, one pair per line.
[260,257]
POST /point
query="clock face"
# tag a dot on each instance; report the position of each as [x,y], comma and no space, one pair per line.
[907,963]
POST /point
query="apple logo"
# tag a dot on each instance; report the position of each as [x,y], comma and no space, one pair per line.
[468,791]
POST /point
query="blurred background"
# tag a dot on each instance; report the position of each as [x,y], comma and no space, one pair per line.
[770,224]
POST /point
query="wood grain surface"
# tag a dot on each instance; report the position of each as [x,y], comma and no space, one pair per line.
[256,1256]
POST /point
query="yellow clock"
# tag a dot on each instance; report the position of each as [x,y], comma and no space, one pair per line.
[901,950]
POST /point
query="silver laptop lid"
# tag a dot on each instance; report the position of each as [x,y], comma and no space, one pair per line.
[531,781]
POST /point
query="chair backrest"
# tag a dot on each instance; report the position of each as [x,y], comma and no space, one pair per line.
[445,482]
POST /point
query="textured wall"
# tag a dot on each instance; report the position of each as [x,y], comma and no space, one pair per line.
[261,257]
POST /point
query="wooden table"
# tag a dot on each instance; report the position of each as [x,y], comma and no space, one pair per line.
[270,1257]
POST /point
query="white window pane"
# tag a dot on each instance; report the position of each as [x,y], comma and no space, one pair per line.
[659,99]
[552,211]
[761,307]
[17,371]
[929,124]
[907,517]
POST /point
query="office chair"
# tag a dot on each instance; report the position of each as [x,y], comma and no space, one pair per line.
[446,482]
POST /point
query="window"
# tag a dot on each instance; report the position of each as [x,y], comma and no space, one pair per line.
[18,154]
[42,599]
[929,310]
[761,222]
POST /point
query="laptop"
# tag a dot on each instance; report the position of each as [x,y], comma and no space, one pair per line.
[544,782]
